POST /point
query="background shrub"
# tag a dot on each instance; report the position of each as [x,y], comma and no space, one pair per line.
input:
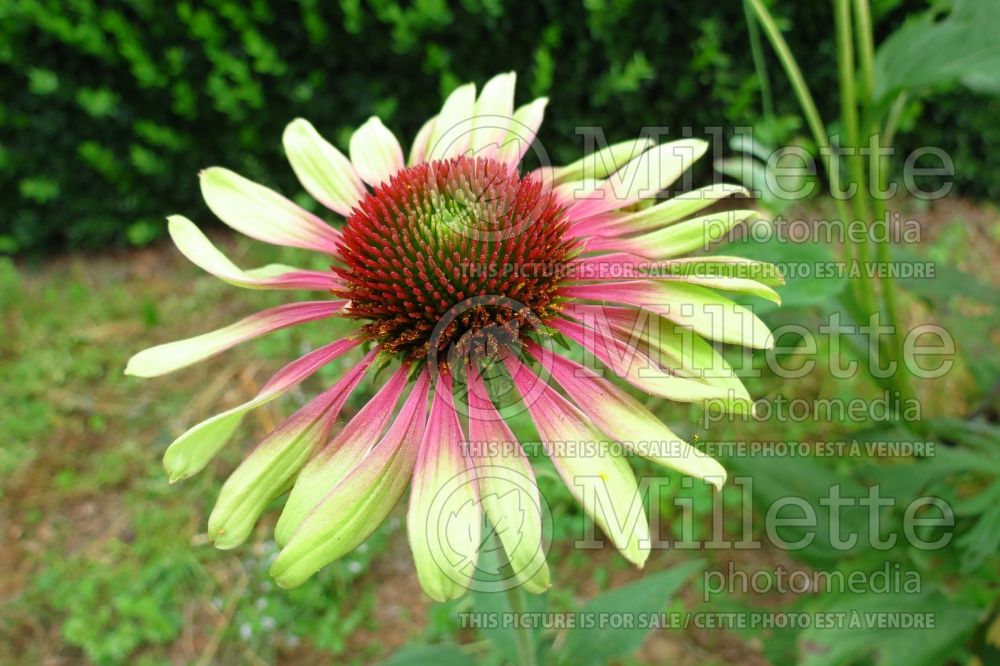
[111,108]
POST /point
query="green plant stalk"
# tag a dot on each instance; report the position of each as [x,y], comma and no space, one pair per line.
[861,198]
[851,144]
[856,312]
[525,640]
[866,51]
[804,97]
[902,383]
[900,379]
[757,52]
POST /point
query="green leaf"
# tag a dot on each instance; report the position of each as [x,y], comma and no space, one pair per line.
[973,335]
[975,434]
[98,102]
[42,81]
[858,636]
[421,655]
[787,486]
[812,276]
[946,284]
[641,601]
[929,50]
[40,189]
[983,539]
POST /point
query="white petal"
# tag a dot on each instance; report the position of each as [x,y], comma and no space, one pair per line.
[494,112]
[523,131]
[194,245]
[375,152]
[264,214]
[452,131]
[642,177]
[323,170]
[418,152]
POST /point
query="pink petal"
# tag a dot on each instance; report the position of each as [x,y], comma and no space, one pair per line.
[692,306]
[611,267]
[507,487]
[585,459]
[305,366]
[194,245]
[635,366]
[641,178]
[335,460]
[190,452]
[172,356]
[594,225]
[662,214]
[444,516]
[267,472]
[626,420]
[356,506]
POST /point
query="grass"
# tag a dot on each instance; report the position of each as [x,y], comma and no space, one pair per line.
[104,562]
[102,556]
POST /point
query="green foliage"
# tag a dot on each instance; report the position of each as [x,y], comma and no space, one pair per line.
[644,598]
[964,123]
[420,655]
[107,554]
[111,110]
[963,44]
[112,610]
[799,291]
[856,640]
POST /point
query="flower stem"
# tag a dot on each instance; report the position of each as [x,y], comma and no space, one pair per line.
[525,637]
[517,600]
[866,50]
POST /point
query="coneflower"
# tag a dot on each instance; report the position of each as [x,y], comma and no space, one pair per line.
[454,263]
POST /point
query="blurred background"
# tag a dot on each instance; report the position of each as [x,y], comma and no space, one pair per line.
[109,110]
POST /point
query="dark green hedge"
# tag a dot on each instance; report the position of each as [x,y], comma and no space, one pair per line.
[110,108]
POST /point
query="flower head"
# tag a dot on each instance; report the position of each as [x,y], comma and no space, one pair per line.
[460,270]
